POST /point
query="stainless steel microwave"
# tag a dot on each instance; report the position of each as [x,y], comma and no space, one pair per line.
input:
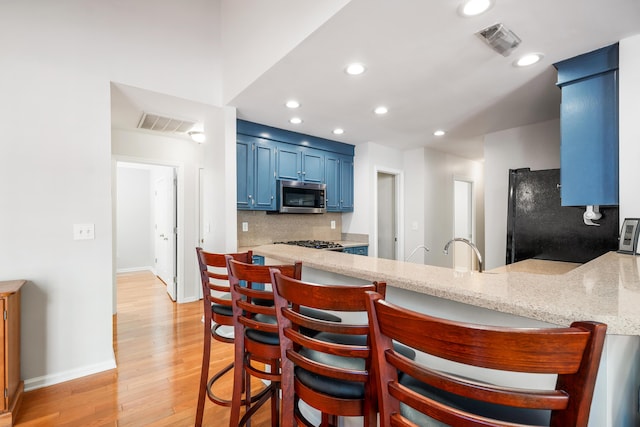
[301,197]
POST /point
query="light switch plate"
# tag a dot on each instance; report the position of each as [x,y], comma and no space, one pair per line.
[83,232]
[333,225]
[245,226]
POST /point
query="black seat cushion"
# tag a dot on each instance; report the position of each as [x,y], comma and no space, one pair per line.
[491,410]
[335,387]
[272,339]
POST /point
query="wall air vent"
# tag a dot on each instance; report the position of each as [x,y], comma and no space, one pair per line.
[500,39]
[160,123]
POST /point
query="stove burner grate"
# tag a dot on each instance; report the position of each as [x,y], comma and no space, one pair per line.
[317,244]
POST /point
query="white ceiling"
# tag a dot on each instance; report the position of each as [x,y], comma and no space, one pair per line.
[425,63]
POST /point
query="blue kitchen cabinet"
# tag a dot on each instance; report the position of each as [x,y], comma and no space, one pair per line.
[266,154]
[357,250]
[589,128]
[339,180]
[346,184]
[332,179]
[256,185]
[288,162]
[299,163]
[312,165]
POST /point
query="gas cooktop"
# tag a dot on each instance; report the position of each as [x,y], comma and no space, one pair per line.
[317,244]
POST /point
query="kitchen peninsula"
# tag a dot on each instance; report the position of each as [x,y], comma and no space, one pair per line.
[606,289]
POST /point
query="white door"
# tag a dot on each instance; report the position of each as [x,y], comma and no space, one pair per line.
[165,229]
[463,224]
[387,238]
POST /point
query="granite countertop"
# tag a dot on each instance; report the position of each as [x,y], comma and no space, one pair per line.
[537,266]
[606,289]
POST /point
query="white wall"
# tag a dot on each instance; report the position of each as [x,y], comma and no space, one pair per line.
[629,91]
[426,198]
[261,33]
[56,147]
[134,219]
[370,159]
[441,170]
[414,205]
[535,146]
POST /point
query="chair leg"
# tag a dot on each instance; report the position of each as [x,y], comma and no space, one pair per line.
[275,405]
[204,374]
[239,386]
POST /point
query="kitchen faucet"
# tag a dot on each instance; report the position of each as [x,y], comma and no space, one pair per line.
[468,242]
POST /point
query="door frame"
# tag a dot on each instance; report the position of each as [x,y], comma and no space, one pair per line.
[399,211]
[180,220]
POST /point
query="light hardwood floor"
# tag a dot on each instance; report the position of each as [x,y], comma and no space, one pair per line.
[158,347]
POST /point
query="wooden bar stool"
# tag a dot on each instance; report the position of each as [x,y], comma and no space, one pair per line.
[257,345]
[422,395]
[324,364]
[216,298]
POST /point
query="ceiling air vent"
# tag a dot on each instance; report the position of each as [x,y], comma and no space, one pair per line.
[159,123]
[500,38]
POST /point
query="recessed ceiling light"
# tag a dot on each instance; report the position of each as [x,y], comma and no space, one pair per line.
[355,69]
[292,103]
[338,131]
[295,120]
[439,133]
[381,110]
[474,7]
[528,59]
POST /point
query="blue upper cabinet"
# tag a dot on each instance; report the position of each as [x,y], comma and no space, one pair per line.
[312,165]
[256,185]
[299,163]
[339,180]
[346,184]
[266,154]
[332,179]
[289,162]
[589,128]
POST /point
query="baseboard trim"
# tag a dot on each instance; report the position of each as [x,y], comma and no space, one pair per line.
[134,269]
[47,380]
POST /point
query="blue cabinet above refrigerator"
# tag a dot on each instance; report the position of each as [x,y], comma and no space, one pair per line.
[589,128]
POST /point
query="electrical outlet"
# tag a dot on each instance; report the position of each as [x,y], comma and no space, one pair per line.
[333,225]
[83,232]
[245,226]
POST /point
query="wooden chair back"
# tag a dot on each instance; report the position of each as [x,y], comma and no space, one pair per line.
[215,283]
[303,339]
[572,353]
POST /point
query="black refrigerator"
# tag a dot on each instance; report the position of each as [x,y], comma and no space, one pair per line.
[539,227]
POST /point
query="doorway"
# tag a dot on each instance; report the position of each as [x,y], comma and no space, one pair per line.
[387,224]
[463,223]
[146,219]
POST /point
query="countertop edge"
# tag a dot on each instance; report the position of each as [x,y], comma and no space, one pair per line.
[558,299]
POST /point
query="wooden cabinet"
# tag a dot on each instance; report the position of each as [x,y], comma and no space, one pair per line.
[10,337]
[589,128]
[255,163]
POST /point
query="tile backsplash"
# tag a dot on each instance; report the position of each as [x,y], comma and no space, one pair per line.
[263,228]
